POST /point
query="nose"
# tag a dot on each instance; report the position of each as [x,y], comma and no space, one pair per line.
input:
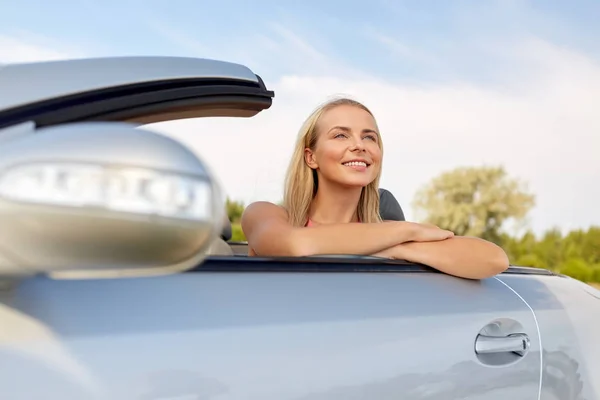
[357,144]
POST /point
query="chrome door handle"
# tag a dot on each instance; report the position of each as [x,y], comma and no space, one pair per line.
[516,343]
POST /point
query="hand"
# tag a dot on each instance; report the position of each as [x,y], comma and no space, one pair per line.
[429,233]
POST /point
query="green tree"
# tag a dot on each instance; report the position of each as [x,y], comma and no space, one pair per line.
[575,254]
[235,209]
[578,269]
[584,245]
[237,234]
[551,248]
[473,201]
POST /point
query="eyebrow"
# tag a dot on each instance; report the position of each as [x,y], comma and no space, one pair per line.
[346,129]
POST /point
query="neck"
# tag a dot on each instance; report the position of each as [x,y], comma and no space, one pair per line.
[334,204]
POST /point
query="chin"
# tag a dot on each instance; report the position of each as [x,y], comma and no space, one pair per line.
[355,183]
[349,180]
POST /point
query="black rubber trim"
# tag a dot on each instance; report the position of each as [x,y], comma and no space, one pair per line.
[516,270]
[305,264]
[328,264]
[261,83]
[106,101]
[117,111]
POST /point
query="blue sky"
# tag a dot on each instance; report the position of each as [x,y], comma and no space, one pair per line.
[400,40]
[459,82]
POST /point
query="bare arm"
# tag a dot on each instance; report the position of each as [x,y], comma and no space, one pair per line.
[269,233]
[466,257]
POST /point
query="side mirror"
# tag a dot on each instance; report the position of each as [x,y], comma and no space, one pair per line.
[104,199]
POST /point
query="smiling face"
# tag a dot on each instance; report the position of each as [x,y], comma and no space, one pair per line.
[347,151]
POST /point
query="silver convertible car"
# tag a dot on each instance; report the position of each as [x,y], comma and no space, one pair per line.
[117,280]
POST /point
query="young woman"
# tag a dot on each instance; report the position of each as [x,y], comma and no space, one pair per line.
[331,204]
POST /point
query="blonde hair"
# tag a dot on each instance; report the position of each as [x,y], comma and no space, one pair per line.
[301,181]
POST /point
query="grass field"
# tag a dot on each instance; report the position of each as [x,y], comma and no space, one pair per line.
[596,285]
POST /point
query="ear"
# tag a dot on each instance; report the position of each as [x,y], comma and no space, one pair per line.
[309,158]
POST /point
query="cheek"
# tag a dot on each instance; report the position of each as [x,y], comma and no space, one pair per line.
[330,153]
[375,152]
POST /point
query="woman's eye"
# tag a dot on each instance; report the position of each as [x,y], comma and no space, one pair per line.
[340,135]
[372,137]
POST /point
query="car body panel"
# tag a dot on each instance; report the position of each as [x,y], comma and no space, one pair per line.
[139,90]
[33,82]
[568,314]
[268,335]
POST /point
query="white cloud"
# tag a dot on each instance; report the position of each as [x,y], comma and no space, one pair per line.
[543,127]
[30,48]
[176,36]
[400,49]
[545,131]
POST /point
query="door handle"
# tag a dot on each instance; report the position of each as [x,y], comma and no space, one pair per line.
[517,343]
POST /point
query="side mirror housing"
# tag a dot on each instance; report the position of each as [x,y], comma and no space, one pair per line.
[104,199]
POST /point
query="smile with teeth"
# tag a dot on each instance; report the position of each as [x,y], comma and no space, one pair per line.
[355,164]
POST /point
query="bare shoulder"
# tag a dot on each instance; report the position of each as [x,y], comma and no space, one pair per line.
[267,229]
[262,211]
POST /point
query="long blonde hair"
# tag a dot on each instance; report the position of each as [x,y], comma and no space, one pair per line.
[301,181]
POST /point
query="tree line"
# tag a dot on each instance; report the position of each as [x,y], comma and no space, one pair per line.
[482,201]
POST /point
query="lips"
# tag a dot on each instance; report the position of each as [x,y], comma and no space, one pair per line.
[359,166]
[356,163]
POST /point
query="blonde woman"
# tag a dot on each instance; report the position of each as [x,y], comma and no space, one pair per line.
[331,204]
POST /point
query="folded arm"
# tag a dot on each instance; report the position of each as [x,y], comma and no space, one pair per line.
[269,233]
[465,257]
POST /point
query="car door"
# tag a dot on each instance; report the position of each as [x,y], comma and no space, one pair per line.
[244,328]
[239,327]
